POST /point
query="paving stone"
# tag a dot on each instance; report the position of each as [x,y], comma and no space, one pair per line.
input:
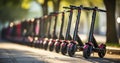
[6,60]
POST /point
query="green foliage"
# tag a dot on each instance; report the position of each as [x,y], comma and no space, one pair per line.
[9,3]
[12,13]
[11,10]
[86,2]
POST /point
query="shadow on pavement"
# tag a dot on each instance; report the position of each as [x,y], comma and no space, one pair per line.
[95,59]
[16,56]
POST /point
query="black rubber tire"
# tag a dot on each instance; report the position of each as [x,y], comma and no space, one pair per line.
[102,52]
[32,44]
[64,49]
[86,52]
[57,48]
[72,50]
[45,46]
[41,45]
[51,47]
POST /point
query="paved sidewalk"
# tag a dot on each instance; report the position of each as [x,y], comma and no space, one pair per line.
[113,50]
[16,53]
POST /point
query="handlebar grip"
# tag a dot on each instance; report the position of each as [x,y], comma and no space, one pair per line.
[87,8]
[102,10]
[71,7]
[66,7]
[67,11]
[53,13]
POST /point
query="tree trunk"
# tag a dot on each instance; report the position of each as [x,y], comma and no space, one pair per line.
[111,23]
[45,7]
[45,12]
[56,4]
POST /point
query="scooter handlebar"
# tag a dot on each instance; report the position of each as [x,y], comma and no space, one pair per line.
[74,7]
[95,8]
[88,8]
[102,10]
[52,13]
[77,7]
[71,7]
[66,7]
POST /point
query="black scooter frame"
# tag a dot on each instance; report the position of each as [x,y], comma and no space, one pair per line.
[91,45]
[72,46]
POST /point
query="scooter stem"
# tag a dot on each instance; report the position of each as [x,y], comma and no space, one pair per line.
[62,24]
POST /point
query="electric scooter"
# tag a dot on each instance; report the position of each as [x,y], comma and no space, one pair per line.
[68,36]
[55,43]
[47,40]
[54,39]
[30,36]
[25,32]
[36,32]
[41,38]
[61,37]
[73,46]
[91,45]
[18,35]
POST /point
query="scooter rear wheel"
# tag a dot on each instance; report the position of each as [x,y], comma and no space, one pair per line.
[102,52]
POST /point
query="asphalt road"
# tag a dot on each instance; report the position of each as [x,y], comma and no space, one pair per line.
[16,53]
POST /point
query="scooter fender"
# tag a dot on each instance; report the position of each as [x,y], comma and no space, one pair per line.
[30,39]
[37,41]
[74,42]
[57,43]
[85,46]
[102,45]
[63,44]
[49,42]
[40,41]
[45,42]
[70,45]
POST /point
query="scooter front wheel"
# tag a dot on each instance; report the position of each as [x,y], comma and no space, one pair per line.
[87,51]
[102,52]
[71,49]
[41,44]
[57,47]
[64,48]
[51,46]
[45,45]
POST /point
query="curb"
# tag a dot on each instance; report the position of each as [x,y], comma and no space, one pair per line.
[113,50]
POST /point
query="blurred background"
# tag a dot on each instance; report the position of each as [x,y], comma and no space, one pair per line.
[107,24]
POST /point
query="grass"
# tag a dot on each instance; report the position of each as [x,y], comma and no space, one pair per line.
[113,45]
